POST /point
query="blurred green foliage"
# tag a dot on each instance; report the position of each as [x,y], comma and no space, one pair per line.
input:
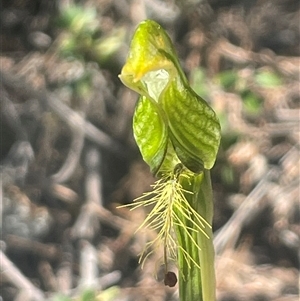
[252,103]
[230,81]
[227,79]
[267,79]
[109,294]
[79,20]
[83,37]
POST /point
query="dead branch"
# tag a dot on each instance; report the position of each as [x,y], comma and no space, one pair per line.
[46,251]
[287,66]
[70,117]
[73,157]
[12,274]
[87,222]
[251,206]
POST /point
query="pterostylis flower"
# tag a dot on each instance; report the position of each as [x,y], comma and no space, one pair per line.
[178,135]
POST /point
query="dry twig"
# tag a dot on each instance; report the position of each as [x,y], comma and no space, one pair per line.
[12,274]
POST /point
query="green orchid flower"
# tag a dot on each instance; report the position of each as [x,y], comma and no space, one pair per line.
[169,111]
[178,135]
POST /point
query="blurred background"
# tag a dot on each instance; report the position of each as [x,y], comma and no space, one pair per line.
[68,157]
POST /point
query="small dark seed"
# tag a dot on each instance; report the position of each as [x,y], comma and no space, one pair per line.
[170,279]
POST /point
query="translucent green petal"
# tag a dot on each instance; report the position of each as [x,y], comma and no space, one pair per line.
[150,132]
[147,53]
[194,127]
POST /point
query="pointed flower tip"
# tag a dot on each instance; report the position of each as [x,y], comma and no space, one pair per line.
[130,73]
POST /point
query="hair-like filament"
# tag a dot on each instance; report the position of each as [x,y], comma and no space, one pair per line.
[170,209]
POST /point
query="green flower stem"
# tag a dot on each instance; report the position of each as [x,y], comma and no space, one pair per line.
[190,284]
[204,205]
[197,284]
